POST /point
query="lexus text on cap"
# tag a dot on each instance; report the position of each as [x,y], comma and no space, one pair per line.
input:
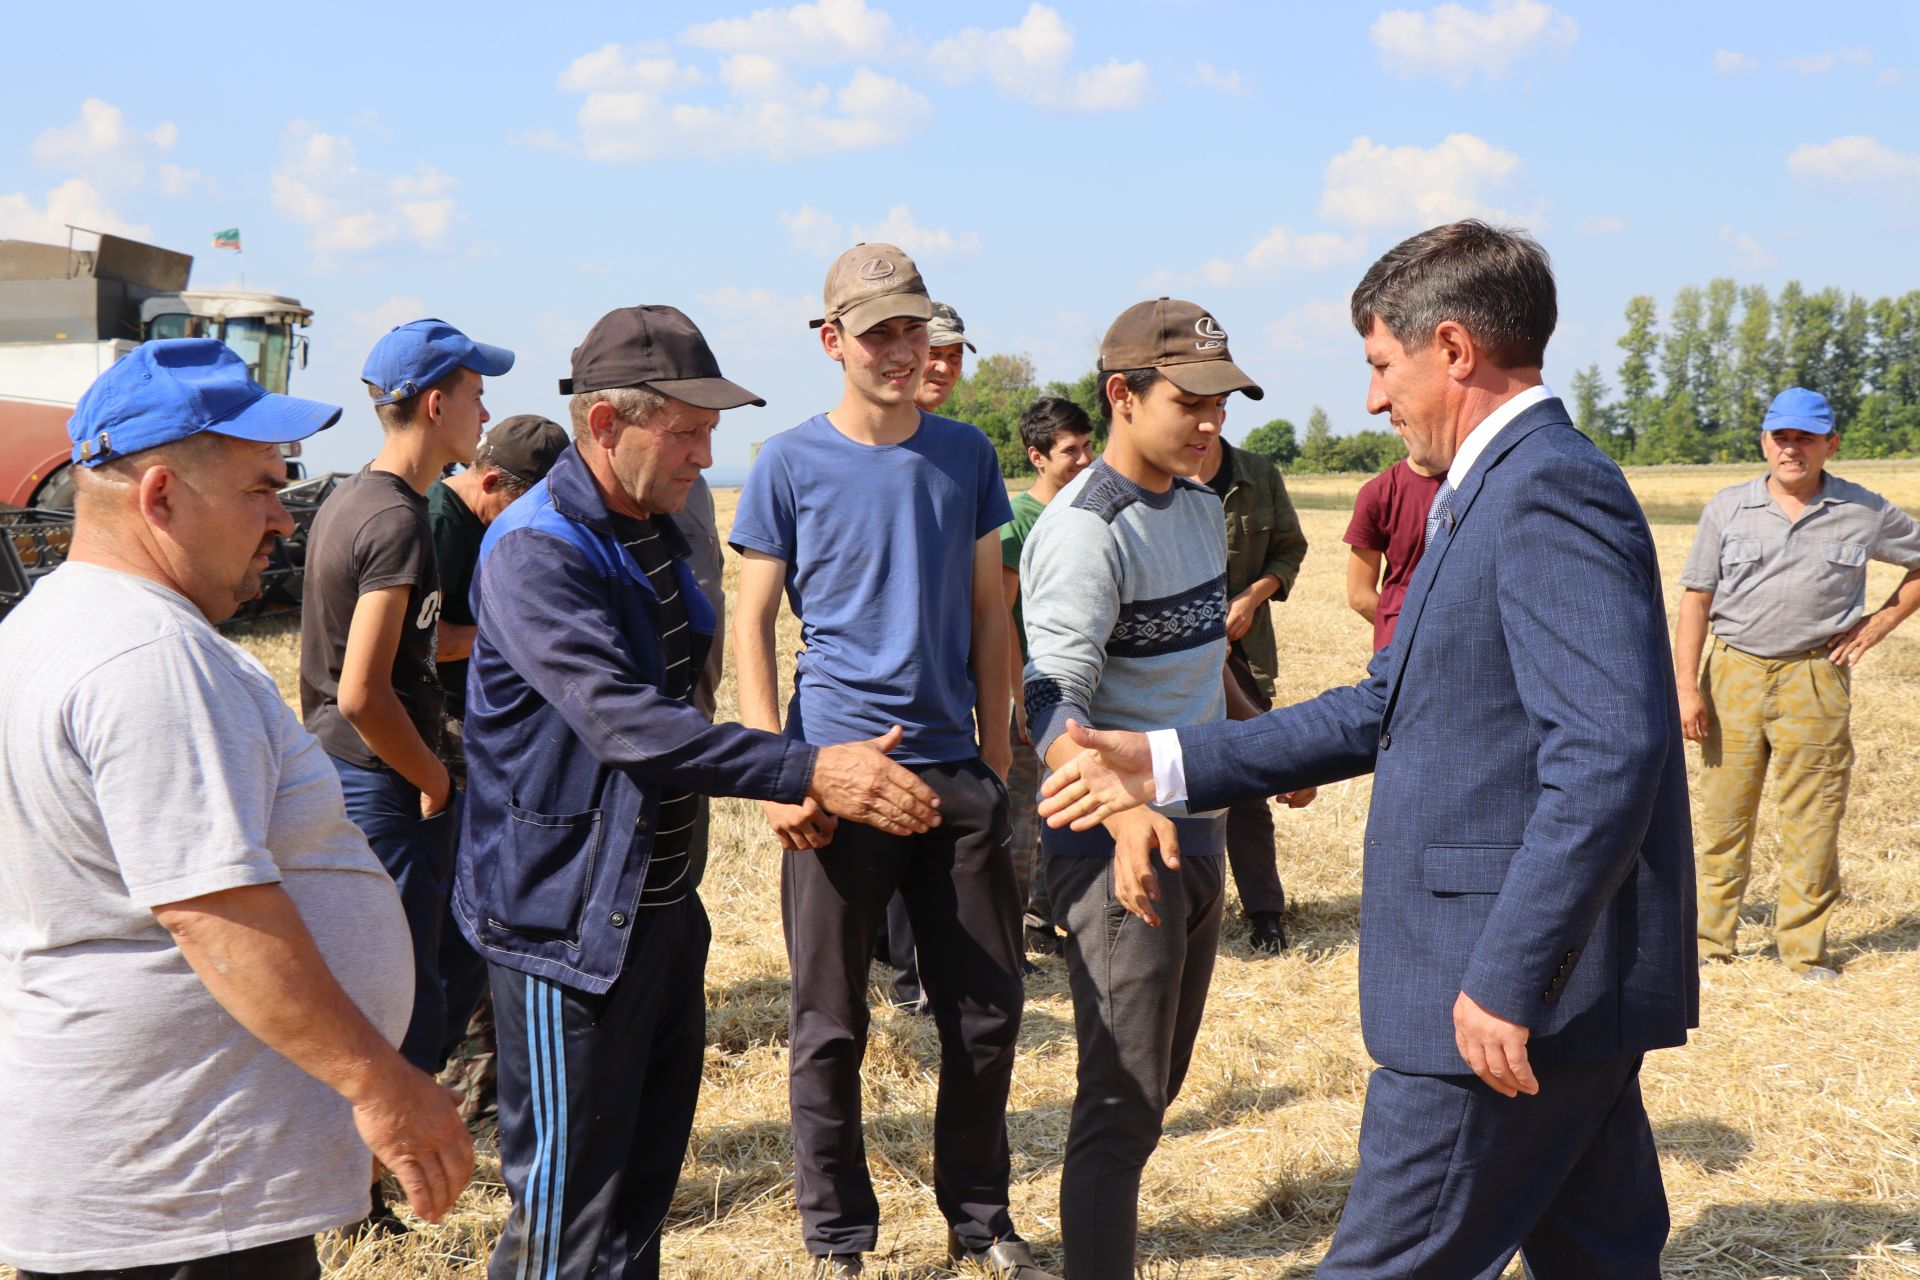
[1798,409]
[873,283]
[947,329]
[1182,341]
[526,446]
[165,391]
[658,348]
[414,356]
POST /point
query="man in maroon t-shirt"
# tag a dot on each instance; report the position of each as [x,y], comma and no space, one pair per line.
[1390,523]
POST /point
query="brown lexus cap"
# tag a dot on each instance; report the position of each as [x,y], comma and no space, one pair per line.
[871,283]
[658,348]
[1182,341]
[526,446]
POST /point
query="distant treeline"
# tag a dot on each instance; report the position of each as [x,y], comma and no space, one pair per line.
[1693,389]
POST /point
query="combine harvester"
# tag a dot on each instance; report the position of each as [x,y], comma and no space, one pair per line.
[67,314]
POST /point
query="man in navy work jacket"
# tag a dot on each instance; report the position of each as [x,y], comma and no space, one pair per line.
[1527,912]
[584,759]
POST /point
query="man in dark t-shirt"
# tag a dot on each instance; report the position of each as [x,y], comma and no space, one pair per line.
[1390,523]
[368,688]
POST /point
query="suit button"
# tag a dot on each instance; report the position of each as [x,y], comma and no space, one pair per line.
[640,823]
[1386,741]
[618,919]
[1550,995]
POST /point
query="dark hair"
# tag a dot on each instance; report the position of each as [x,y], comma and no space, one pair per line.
[1495,281]
[402,413]
[1139,381]
[1047,417]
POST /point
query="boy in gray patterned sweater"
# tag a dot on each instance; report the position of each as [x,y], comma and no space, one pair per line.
[1123,584]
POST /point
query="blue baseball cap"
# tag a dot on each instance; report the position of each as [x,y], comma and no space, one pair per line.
[418,354]
[1798,409]
[168,390]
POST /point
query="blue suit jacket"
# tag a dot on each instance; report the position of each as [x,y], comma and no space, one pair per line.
[1529,840]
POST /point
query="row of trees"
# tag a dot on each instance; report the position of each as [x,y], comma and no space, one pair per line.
[1693,389]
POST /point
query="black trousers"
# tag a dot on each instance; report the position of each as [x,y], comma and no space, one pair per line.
[596,1097]
[1250,845]
[958,885]
[286,1260]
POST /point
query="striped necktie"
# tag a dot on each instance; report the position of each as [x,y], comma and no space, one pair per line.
[1441,508]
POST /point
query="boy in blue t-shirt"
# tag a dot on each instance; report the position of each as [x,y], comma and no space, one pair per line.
[869,517]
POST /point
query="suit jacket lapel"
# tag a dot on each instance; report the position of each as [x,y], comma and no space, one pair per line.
[1546,413]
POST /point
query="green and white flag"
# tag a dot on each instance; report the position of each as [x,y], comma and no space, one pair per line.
[228,239]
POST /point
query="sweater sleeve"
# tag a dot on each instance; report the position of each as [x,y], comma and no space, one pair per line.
[1069,598]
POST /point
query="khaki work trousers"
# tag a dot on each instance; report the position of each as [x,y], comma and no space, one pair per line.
[1792,713]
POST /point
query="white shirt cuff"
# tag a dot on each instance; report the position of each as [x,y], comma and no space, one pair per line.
[1169,768]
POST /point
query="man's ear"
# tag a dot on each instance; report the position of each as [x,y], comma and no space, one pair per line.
[1036,458]
[490,479]
[1120,395]
[603,423]
[159,488]
[1453,342]
[830,341]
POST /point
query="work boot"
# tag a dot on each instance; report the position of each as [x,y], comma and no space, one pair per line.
[1269,935]
[1003,1259]
[1041,937]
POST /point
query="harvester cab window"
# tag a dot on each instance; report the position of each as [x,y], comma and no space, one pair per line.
[265,347]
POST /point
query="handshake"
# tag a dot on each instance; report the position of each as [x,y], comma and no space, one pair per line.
[1109,783]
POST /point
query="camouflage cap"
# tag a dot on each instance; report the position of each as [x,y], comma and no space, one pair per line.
[947,329]
[1182,341]
[872,283]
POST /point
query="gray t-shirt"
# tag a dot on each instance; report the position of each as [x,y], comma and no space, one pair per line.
[149,761]
[1783,588]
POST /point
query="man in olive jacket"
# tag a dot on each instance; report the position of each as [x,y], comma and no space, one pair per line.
[1265,548]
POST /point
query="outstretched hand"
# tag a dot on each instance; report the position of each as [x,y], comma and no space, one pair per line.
[856,781]
[1112,774]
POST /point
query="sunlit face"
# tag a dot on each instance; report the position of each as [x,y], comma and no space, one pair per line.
[883,364]
[461,415]
[1172,430]
[223,513]
[1071,454]
[1411,389]
[945,367]
[1796,457]
[656,462]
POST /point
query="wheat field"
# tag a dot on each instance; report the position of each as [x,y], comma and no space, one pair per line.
[1789,1128]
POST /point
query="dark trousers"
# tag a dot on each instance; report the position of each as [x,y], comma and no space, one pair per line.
[418,853]
[596,1098]
[957,880]
[902,955]
[1138,993]
[1250,843]
[288,1260]
[1454,1179]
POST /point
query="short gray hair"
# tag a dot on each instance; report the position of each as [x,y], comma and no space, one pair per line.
[1494,281]
[630,404]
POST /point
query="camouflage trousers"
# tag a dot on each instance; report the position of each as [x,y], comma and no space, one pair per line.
[1789,714]
[470,1069]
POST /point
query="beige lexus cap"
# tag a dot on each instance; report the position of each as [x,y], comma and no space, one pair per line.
[1181,340]
[872,283]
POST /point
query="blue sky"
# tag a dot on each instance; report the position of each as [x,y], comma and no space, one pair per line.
[1047,165]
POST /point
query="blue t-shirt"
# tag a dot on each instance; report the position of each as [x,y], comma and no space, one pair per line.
[879,543]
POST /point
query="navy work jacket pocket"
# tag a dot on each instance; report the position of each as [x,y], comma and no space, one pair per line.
[541,881]
[1452,868]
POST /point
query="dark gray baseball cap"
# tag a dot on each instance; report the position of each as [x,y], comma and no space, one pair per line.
[526,446]
[658,348]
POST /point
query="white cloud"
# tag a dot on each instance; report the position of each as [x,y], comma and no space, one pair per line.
[1820,64]
[1029,63]
[756,314]
[1747,251]
[102,146]
[1454,41]
[1227,82]
[346,208]
[1280,251]
[389,315]
[900,228]
[1729,63]
[829,31]
[1854,161]
[814,231]
[1891,75]
[176,181]
[616,67]
[1372,185]
[1602,224]
[1311,325]
[75,202]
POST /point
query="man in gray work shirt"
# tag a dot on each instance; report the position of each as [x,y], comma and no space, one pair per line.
[1779,569]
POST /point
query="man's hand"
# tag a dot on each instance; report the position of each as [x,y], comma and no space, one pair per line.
[434,803]
[1851,645]
[1298,799]
[800,826]
[1694,720]
[1136,835]
[1241,611]
[413,1127]
[997,756]
[1112,774]
[1495,1048]
[1020,734]
[856,781]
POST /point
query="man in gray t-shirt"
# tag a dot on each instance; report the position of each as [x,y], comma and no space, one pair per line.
[203,969]
[1779,572]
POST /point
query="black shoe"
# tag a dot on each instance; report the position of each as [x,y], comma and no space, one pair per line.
[1042,938]
[1269,935]
[382,1222]
[1003,1259]
[837,1266]
[1028,968]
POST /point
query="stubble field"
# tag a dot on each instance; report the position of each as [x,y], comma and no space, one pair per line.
[1789,1128]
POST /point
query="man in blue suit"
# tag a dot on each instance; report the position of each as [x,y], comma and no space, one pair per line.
[1527,913]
